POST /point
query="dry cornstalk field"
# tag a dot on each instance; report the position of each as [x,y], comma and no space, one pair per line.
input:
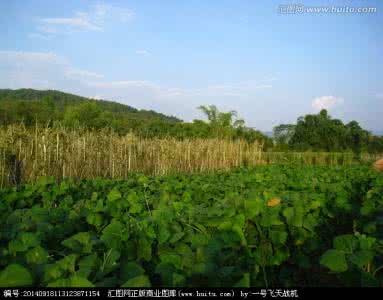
[81,153]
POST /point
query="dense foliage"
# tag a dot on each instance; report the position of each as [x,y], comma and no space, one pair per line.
[322,133]
[268,226]
[30,104]
[53,107]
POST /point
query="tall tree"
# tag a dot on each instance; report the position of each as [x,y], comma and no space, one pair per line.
[221,119]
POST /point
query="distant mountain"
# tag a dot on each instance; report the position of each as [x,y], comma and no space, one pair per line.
[63,100]
[268,133]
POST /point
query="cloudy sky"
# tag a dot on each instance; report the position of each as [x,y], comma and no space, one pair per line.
[172,56]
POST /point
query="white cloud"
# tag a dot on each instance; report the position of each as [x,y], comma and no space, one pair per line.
[39,36]
[95,19]
[124,84]
[102,12]
[42,70]
[142,52]
[326,102]
[233,89]
[72,73]
[80,22]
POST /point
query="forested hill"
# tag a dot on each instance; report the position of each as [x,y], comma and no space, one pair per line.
[63,100]
[47,108]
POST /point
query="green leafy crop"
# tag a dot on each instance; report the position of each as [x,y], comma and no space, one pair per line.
[267,226]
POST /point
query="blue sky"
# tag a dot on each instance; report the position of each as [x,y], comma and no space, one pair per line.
[172,56]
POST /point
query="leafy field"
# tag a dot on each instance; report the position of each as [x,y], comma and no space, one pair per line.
[267,226]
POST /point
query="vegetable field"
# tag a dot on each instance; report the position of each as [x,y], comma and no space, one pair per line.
[276,225]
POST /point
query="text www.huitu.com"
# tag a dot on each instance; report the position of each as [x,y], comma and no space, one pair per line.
[303,9]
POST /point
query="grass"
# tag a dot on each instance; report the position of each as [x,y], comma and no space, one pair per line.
[81,153]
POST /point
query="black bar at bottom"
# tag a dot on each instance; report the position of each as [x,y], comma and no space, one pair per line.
[202,293]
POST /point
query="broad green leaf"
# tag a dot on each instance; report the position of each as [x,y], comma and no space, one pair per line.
[74,281]
[362,258]
[253,207]
[80,242]
[315,204]
[288,213]
[199,239]
[24,241]
[114,234]
[77,281]
[279,256]
[95,219]
[297,219]
[56,270]
[52,272]
[68,263]
[176,237]
[114,195]
[37,255]
[133,198]
[136,208]
[178,279]
[366,242]
[270,218]
[86,265]
[163,234]
[139,281]
[144,249]
[310,222]
[278,237]
[239,231]
[15,275]
[335,260]
[226,225]
[346,242]
[172,259]
[128,270]
[244,282]
[62,282]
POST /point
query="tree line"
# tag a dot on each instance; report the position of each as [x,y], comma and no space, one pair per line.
[59,108]
[320,132]
[312,132]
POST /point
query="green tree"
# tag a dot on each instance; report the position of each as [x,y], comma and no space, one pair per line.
[87,114]
[282,135]
[356,137]
[221,119]
[320,132]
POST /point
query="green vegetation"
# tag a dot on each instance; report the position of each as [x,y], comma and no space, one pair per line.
[53,108]
[318,132]
[31,105]
[81,205]
[268,226]
[322,133]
